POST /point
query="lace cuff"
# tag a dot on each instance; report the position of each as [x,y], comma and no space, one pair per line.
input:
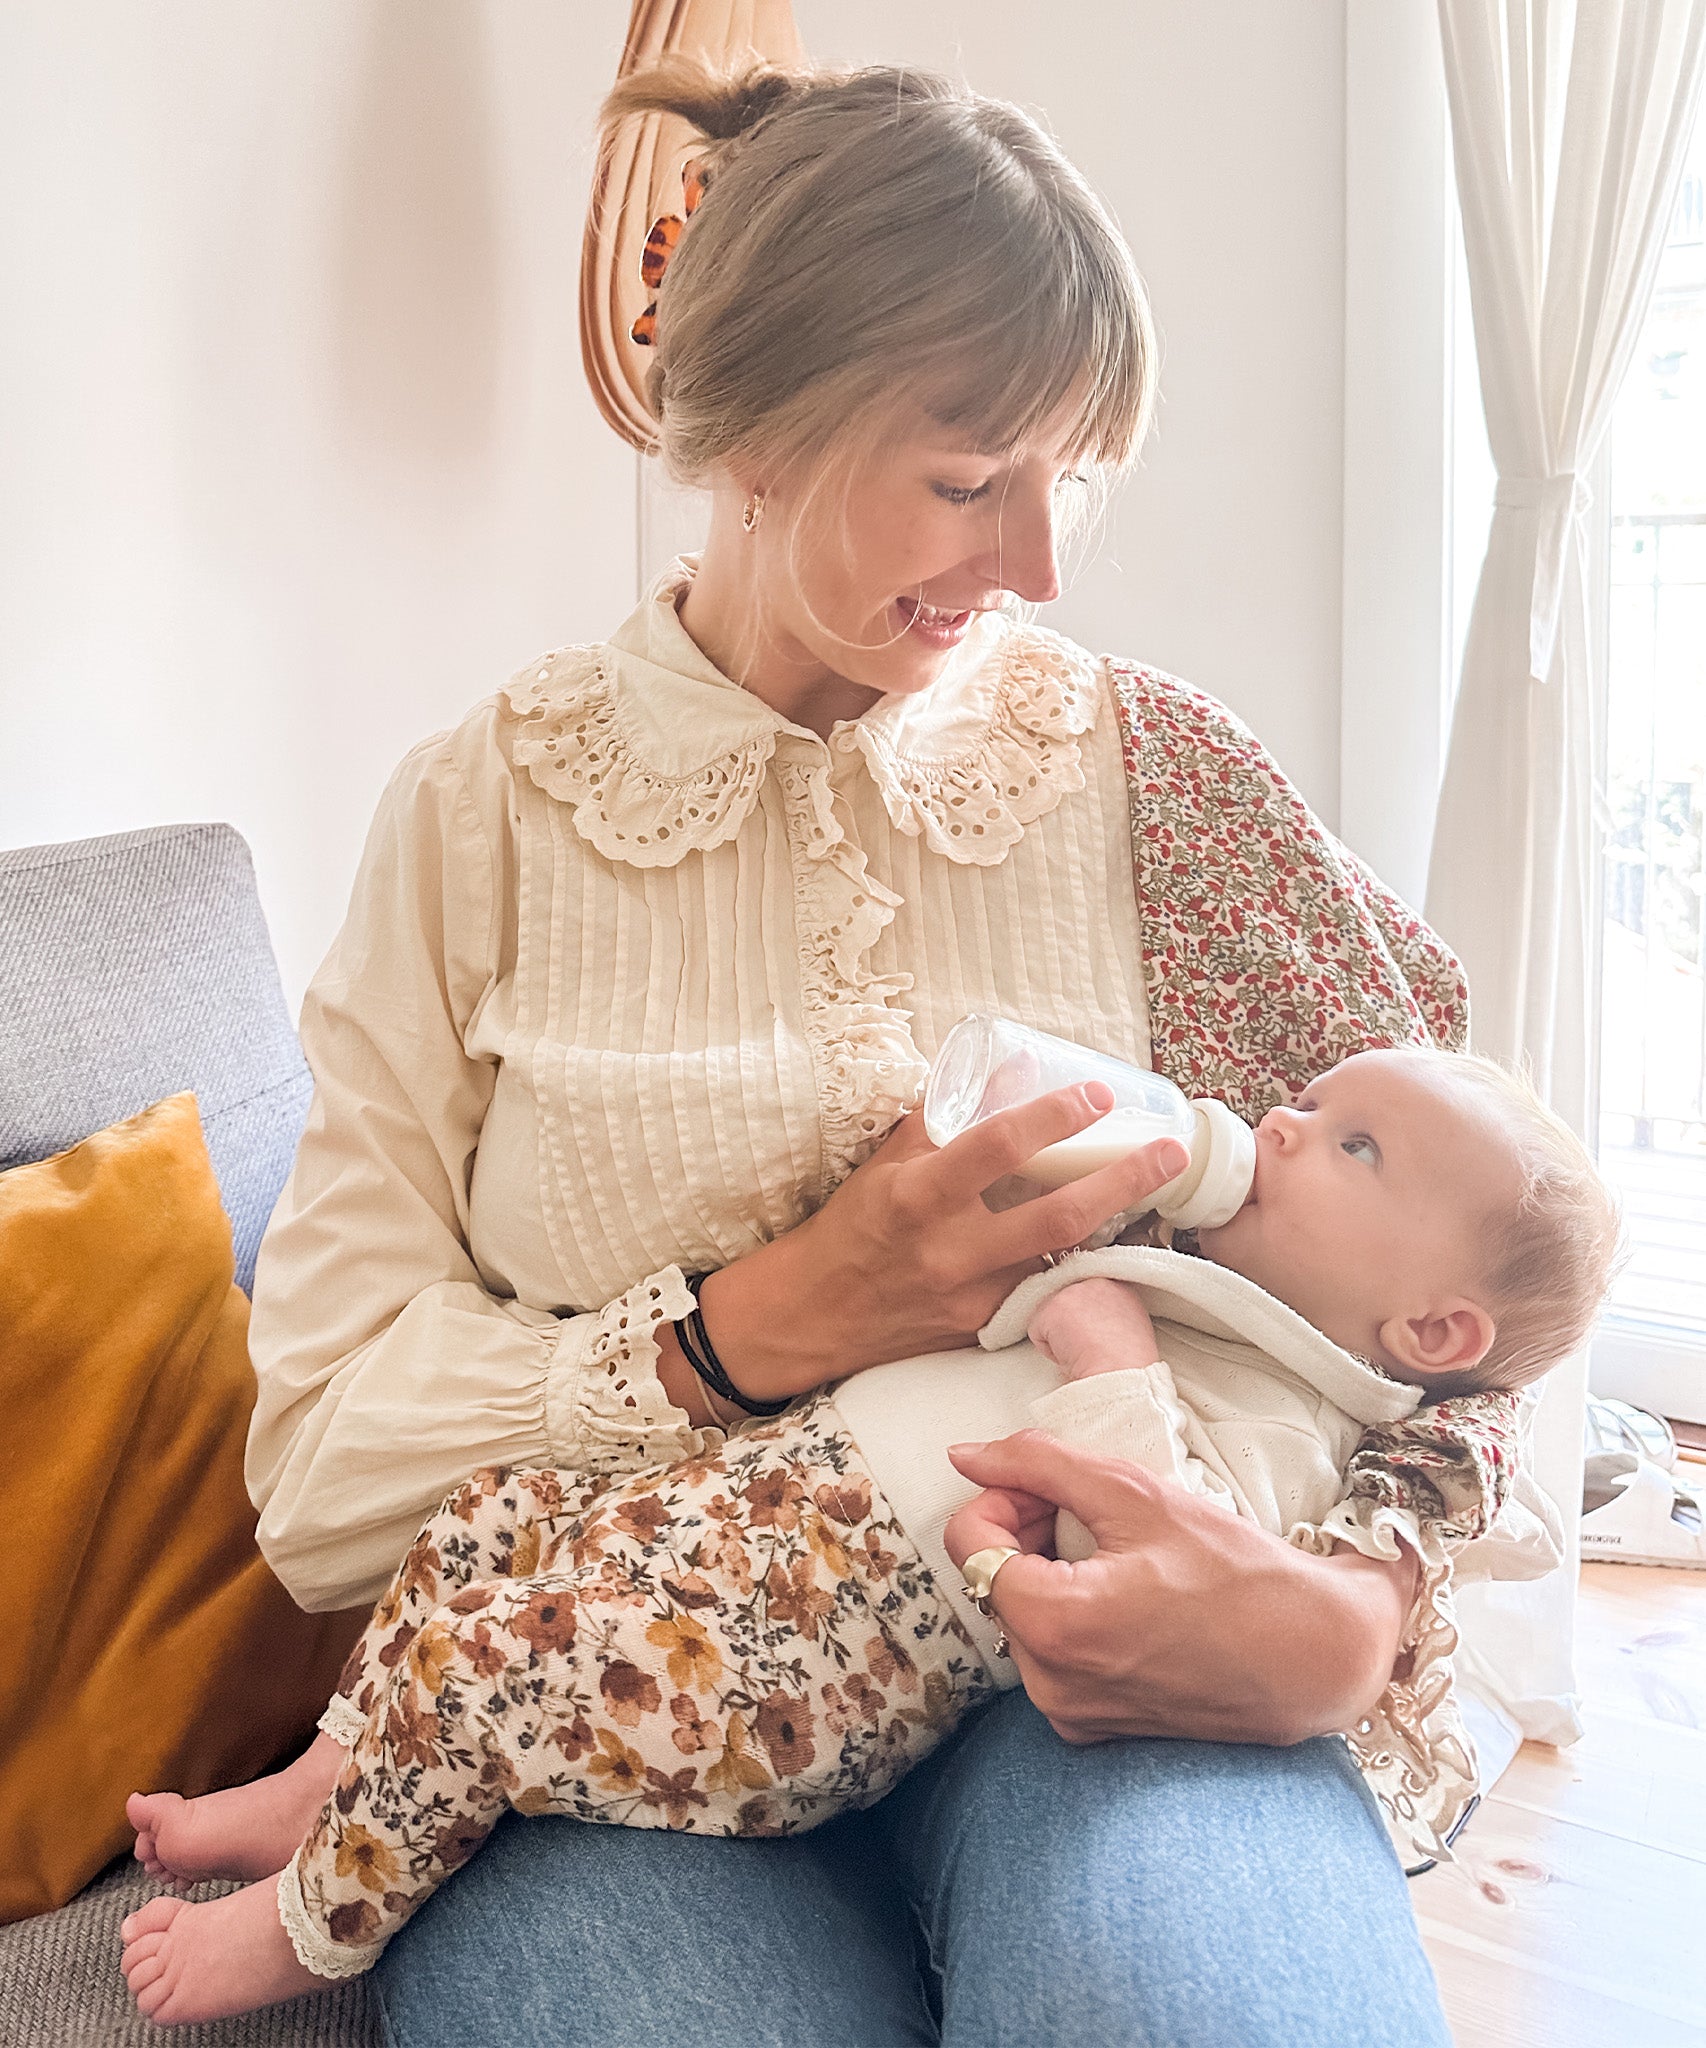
[1412,1745]
[344,1722]
[314,1951]
[605,1407]
[1432,1483]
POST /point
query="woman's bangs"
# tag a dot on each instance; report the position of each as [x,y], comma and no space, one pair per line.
[1075,356]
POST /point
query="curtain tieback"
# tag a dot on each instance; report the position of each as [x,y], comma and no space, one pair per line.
[1567,490]
[1554,502]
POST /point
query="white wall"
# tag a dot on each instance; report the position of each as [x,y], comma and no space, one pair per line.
[1215,130]
[296,459]
[1400,463]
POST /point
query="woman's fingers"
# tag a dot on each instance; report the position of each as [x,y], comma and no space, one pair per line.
[1002,1143]
[908,1140]
[1051,1613]
[906,1256]
[1054,1222]
[999,1519]
[1109,1496]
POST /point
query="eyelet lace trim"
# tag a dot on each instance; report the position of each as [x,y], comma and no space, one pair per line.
[572,743]
[618,1416]
[1412,1746]
[973,806]
[314,1951]
[868,1070]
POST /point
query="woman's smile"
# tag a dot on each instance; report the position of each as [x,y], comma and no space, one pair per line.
[932,624]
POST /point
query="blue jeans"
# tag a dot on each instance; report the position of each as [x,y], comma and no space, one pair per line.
[1013,1890]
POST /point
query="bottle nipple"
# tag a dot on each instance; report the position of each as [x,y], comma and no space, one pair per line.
[1213,1188]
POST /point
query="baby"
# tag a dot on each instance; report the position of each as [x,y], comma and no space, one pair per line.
[755,1639]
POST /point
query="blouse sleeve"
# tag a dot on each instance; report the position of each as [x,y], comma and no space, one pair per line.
[387,1369]
[1432,1485]
[1448,1467]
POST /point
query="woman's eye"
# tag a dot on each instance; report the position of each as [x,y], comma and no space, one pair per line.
[1362,1147]
[961,494]
[1072,476]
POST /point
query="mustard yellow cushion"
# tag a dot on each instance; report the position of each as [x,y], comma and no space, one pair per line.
[146,1643]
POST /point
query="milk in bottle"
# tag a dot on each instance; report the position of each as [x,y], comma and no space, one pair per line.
[987,1064]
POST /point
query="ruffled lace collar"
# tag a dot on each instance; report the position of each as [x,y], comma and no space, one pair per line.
[660,754]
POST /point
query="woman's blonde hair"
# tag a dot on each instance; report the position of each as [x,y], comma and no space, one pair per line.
[882,235]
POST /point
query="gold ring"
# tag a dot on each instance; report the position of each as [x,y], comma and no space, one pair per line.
[979,1571]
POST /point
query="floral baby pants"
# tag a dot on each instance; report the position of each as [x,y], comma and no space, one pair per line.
[743,1644]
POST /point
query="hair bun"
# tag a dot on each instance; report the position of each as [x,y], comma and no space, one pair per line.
[744,102]
[722,106]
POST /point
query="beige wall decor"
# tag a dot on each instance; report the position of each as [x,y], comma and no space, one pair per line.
[639,177]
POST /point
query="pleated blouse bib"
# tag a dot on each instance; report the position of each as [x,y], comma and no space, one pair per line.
[635,972]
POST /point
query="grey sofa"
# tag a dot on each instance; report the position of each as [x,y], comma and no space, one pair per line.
[132,967]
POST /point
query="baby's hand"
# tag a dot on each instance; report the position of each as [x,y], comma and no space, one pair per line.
[1095,1326]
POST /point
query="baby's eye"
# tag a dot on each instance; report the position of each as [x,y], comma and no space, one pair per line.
[1362,1147]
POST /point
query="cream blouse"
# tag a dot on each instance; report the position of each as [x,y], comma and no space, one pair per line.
[558,1062]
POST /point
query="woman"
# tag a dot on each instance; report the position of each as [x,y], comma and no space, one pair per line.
[644,967]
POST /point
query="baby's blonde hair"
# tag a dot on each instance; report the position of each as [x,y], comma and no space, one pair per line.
[875,236]
[1549,1259]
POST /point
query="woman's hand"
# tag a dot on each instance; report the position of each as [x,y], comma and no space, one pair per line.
[905,1256]
[1188,1621]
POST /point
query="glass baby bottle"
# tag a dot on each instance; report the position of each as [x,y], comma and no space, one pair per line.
[987,1064]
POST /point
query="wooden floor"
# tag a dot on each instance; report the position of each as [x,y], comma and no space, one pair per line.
[1576,1916]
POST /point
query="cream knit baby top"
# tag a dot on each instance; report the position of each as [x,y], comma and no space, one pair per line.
[635,971]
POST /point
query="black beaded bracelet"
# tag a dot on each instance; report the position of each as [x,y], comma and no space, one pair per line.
[698,1350]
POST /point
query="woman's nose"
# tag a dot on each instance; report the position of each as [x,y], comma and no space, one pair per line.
[1026,561]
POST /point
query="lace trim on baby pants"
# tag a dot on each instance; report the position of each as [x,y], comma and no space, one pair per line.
[314,1952]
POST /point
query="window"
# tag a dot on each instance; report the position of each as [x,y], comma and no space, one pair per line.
[1653,987]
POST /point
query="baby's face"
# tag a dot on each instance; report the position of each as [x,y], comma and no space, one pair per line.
[1368,1202]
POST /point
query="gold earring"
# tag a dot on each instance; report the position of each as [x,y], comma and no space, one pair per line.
[754,512]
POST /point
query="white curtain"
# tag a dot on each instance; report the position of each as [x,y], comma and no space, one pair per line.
[1570,123]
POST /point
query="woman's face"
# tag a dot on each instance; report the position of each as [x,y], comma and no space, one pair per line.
[888,572]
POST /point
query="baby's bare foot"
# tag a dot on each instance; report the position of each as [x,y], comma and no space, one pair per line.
[248,1832]
[1093,1326]
[185,1962]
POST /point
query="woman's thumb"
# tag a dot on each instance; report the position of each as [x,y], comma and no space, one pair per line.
[1110,1496]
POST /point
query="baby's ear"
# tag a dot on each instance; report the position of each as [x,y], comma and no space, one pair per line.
[1451,1339]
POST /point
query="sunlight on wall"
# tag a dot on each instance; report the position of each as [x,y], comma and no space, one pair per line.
[299,459]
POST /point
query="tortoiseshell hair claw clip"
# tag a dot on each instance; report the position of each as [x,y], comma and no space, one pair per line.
[660,247]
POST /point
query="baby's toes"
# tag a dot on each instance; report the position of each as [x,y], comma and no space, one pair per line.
[146,1810]
[153,1918]
[147,1853]
[142,1972]
[144,1949]
[149,2002]
[169,1819]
